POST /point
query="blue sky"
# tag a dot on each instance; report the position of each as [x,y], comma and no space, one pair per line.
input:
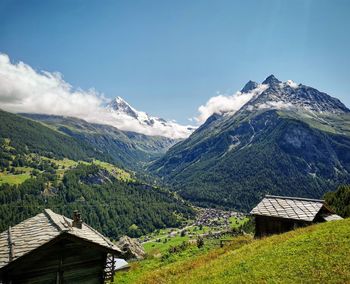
[170,57]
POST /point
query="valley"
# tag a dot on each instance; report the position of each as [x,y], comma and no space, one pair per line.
[175,142]
[44,168]
[187,201]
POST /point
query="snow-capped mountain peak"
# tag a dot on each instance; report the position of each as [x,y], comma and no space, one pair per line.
[120,106]
[290,95]
[126,117]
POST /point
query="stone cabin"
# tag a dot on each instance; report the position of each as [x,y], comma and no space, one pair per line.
[50,248]
[279,214]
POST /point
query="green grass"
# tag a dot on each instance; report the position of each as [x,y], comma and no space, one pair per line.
[63,165]
[118,172]
[13,179]
[67,163]
[196,230]
[237,223]
[316,254]
[160,258]
[155,248]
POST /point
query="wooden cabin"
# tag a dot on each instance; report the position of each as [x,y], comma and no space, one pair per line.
[50,248]
[279,214]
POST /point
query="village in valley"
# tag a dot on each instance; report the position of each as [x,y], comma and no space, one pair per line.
[209,223]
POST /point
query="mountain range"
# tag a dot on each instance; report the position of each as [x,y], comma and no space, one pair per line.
[68,164]
[288,139]
[127,149]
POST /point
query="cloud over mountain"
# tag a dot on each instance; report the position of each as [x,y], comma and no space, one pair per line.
[23,89]
[221,104]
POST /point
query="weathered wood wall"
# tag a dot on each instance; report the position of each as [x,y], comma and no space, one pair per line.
[265,226]
[63,262]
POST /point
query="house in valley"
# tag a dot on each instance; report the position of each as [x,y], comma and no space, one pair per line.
[51,248]
[279,214]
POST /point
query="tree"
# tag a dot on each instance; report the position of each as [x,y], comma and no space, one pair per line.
[339,200]
[200,242]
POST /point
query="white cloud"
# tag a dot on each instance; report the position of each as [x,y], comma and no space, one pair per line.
[23,89]
[275,105]
[221,104]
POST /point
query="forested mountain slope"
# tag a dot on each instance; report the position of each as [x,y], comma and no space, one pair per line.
[41,167]
[285,141]
[128,149]
[112,206]
[28,136]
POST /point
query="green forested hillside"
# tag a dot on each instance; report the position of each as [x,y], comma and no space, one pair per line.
[234,161]
[28,136]
[109,205]
[128,149]
[42,168]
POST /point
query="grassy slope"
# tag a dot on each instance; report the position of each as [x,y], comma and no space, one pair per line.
[314,254]
[15,179]
[63,166]
[158,255]
[141,270]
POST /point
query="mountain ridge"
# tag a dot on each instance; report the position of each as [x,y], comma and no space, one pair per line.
[289,94]
[128,149]
[233,159]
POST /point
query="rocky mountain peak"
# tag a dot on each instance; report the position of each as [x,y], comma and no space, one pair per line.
[251,85]
[290,95]
[121,106]
[271,80]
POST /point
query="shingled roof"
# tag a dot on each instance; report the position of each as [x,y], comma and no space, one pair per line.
[34,232]
[295,208]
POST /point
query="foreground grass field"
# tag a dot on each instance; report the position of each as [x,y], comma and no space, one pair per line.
[316,254]
[158,258]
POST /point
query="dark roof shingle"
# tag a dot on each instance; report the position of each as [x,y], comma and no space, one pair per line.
[39,230]
[289,207]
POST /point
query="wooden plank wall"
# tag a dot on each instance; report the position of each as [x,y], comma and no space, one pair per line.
[265,225]
[64,262]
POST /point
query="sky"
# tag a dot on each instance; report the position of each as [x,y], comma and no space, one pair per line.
[168,58]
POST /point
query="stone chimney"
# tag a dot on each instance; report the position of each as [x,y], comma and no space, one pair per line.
[77,222]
